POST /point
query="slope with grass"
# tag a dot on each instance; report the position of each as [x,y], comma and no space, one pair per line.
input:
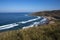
[45,32]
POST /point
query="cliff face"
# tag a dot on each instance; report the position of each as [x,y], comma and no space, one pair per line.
[55,14]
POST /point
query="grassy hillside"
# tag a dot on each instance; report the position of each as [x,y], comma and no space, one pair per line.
[45,32]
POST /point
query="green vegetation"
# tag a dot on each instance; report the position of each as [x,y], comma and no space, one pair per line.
[45,32]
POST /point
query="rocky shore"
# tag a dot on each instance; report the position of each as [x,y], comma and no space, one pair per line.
[50,15]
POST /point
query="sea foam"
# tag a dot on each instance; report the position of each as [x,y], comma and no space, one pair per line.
[35,24]
[8,26]
[38,17]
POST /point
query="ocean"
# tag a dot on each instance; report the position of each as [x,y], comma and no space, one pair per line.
[14,21]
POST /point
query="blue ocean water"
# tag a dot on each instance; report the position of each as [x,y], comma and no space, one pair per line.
[13,21]
[7,18]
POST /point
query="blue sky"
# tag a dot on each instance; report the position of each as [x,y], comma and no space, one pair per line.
[28,5]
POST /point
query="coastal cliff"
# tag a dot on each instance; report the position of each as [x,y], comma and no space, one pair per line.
[44,32]
[53,13]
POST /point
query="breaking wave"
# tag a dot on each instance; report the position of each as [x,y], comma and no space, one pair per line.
[8,26]
[30,20]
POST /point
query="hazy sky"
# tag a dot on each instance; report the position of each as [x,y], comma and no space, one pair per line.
[28,5]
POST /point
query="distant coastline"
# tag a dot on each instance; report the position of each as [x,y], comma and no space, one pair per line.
[53,13]
[50,15]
